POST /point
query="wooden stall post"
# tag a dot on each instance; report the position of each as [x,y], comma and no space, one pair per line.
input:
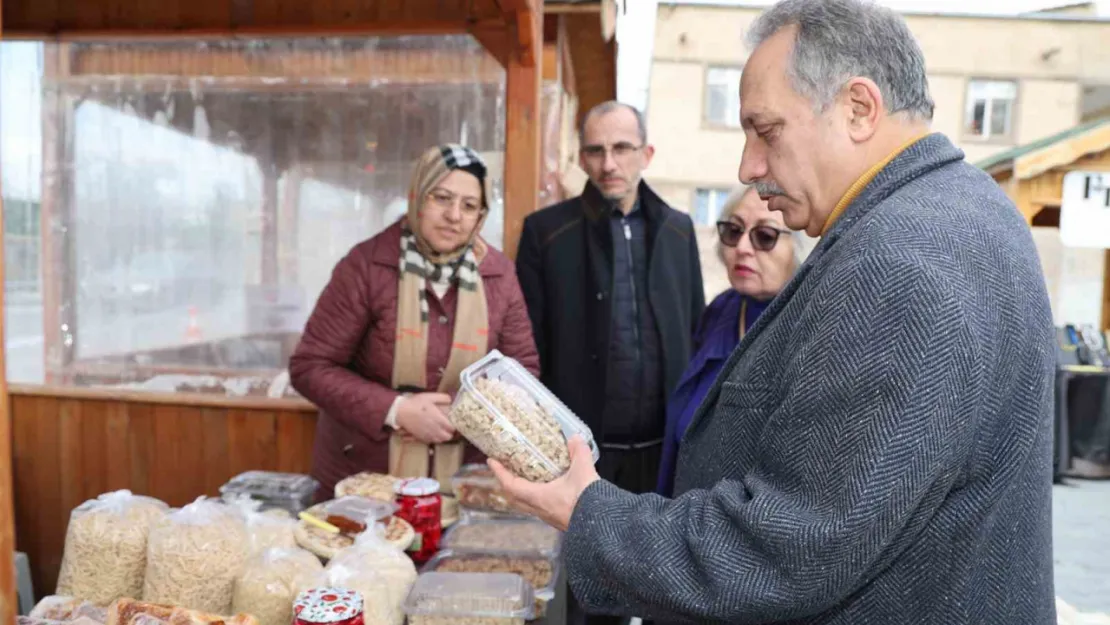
[522,124]
[59,280]
[7,525]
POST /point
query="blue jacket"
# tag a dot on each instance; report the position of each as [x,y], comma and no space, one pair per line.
[716,337]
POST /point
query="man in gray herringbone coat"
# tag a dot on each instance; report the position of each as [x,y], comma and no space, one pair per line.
[877,449]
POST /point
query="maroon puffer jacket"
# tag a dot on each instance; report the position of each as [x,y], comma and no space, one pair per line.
[344,362]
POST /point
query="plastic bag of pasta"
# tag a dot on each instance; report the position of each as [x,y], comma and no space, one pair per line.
[194,556]
[105,548]
[269,585]
[267,530]
[378,571]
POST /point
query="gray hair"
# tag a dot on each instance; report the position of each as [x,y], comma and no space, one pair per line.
[840,39]
[798,240]
[609,107]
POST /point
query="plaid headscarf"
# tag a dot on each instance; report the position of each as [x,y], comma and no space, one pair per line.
[421,266]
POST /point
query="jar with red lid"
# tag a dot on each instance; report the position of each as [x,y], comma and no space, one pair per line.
[328,606]
[420,504]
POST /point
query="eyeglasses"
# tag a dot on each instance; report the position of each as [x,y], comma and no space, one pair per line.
[620,150]
[445,200]
[763,238]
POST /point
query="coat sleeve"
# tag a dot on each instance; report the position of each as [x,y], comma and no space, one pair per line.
[516,332]
[860,452]
[529,270]
[320,366]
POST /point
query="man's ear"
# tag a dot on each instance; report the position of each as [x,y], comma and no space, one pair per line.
[649,153]
[865,108]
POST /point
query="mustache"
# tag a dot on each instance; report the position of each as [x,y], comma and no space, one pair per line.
[768,189]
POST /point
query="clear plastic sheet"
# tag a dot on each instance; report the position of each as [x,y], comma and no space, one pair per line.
[174,209]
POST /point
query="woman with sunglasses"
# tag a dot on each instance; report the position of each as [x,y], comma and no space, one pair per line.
[761,256]
[404,313]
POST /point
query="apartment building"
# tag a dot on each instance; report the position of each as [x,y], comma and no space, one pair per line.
[998,82]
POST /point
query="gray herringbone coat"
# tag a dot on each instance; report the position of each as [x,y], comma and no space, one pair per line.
[878,448]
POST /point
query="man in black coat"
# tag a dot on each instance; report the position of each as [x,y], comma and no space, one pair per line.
[614,289]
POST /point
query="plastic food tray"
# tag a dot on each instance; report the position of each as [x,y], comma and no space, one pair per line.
[538,455]
[458,598]
[289,491]
[507,537]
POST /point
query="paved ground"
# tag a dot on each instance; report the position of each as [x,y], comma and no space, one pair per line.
[1081,535]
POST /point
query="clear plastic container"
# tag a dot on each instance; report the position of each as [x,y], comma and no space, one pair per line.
[539,571]
[509,537]
[292,492]
[470,599]
[359,509]
[479,491]
[507,414]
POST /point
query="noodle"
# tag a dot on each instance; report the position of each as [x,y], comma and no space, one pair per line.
[106,545]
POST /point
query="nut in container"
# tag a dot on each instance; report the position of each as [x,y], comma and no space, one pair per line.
[469,599]
[507,414]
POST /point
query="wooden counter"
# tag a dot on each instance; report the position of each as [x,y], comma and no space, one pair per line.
[72,444]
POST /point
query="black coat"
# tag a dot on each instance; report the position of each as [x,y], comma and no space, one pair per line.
[565,263]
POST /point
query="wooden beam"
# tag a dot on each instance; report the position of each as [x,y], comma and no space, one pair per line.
[522,139]
[496,39]
[1063,153]
[79,34]
[8,600]
[529,25]
[319,65]
[274,17]
[59,280]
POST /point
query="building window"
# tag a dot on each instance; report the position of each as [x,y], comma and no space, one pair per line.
[722,96]
[990,108]
[707,205]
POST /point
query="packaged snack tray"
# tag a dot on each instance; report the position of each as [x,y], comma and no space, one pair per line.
[539,571]
[469,599]
[289,491]
[521,537]
[507,414]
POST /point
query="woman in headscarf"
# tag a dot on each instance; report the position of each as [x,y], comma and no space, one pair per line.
[403,314]
[761,256]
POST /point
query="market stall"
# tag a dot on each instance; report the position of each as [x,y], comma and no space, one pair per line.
[299,121]
[383,550]
[1042,178]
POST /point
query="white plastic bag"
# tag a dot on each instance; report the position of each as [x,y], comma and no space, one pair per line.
[271,581]
[267,530]
[105,548]
[194,556]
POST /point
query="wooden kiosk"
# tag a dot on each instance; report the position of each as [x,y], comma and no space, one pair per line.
[64,441]
[1033,177]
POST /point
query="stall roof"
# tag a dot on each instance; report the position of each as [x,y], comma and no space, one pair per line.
[1056,150]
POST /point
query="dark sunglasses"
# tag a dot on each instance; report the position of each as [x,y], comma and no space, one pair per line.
[763,238]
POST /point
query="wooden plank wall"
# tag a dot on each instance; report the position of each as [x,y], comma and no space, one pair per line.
[68,450]
[7,535]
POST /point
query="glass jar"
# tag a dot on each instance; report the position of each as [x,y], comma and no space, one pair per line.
[420,504]
[328,606]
